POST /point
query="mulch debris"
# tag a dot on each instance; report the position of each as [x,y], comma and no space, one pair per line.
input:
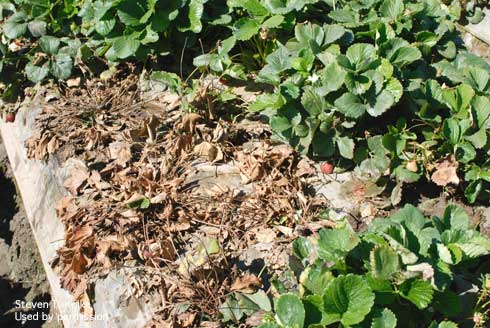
[129,202]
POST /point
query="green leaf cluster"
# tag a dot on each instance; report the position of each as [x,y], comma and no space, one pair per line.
[403,271]
[98,31]
[385,87]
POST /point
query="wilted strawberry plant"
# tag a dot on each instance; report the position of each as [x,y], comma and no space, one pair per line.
[404,271]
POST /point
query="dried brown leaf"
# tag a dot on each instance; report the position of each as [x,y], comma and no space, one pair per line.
[74,82]
[186,319]
[265,235]
[78,176]
[180,144]
[189,122]
[208,151]
[120,152]
[446,172]
[246,284]
[304,168]
[80,263]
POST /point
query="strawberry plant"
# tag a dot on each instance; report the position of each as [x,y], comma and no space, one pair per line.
[384,85]
[473,11]
[46,38]
[381,87]
[404,271]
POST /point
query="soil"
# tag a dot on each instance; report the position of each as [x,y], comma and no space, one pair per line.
[22,277]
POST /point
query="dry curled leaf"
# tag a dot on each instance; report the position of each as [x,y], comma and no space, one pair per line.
[74,82]
[189,122]
[96,181]
[412,166]
[151,126]
[81,296]
[186,319]
[120,152]
[80,262]
[180,144]
[368,210]
[220,133]
[78,176]
[109,245]
[246,284]
[208,151]
[41,146]
[304,168]
[425,269]
[265,235]
[446,172]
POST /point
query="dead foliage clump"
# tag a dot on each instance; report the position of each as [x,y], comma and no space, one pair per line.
[135,200]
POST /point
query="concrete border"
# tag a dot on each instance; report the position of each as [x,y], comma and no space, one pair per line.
[482,29]
[41,186]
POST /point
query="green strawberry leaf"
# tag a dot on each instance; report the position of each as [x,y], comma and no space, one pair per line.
[309,34]
[417,291]
[451,130]
[171,80]
[125,46]
[274,21]
[404,56]
[61,66]
[196,10]
[384,262]
[16,25]
[254,7]
[348,299]
[478,139]
[346,147]
[345,16]
[458,99]
[448,303]
[332,78]
[360,55]
[131,11]
[384,319]
[105,26]
[230,309]
[36,73]
[49,44]
[455,218]
[279,60]
[481,111]
[290,311]
[444,324]
[334,244]
[380,103]
[332,33]
[313,103]
[392,9]
[465,152]
[245,28]
[37,28]
[350,105]
[478,79]
[316,279]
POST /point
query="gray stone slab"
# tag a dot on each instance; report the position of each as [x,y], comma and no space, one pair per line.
[41,186]
[482,29]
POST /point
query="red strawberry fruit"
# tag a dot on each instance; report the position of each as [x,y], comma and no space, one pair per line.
[10,117]
[326,168]
[224,81]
